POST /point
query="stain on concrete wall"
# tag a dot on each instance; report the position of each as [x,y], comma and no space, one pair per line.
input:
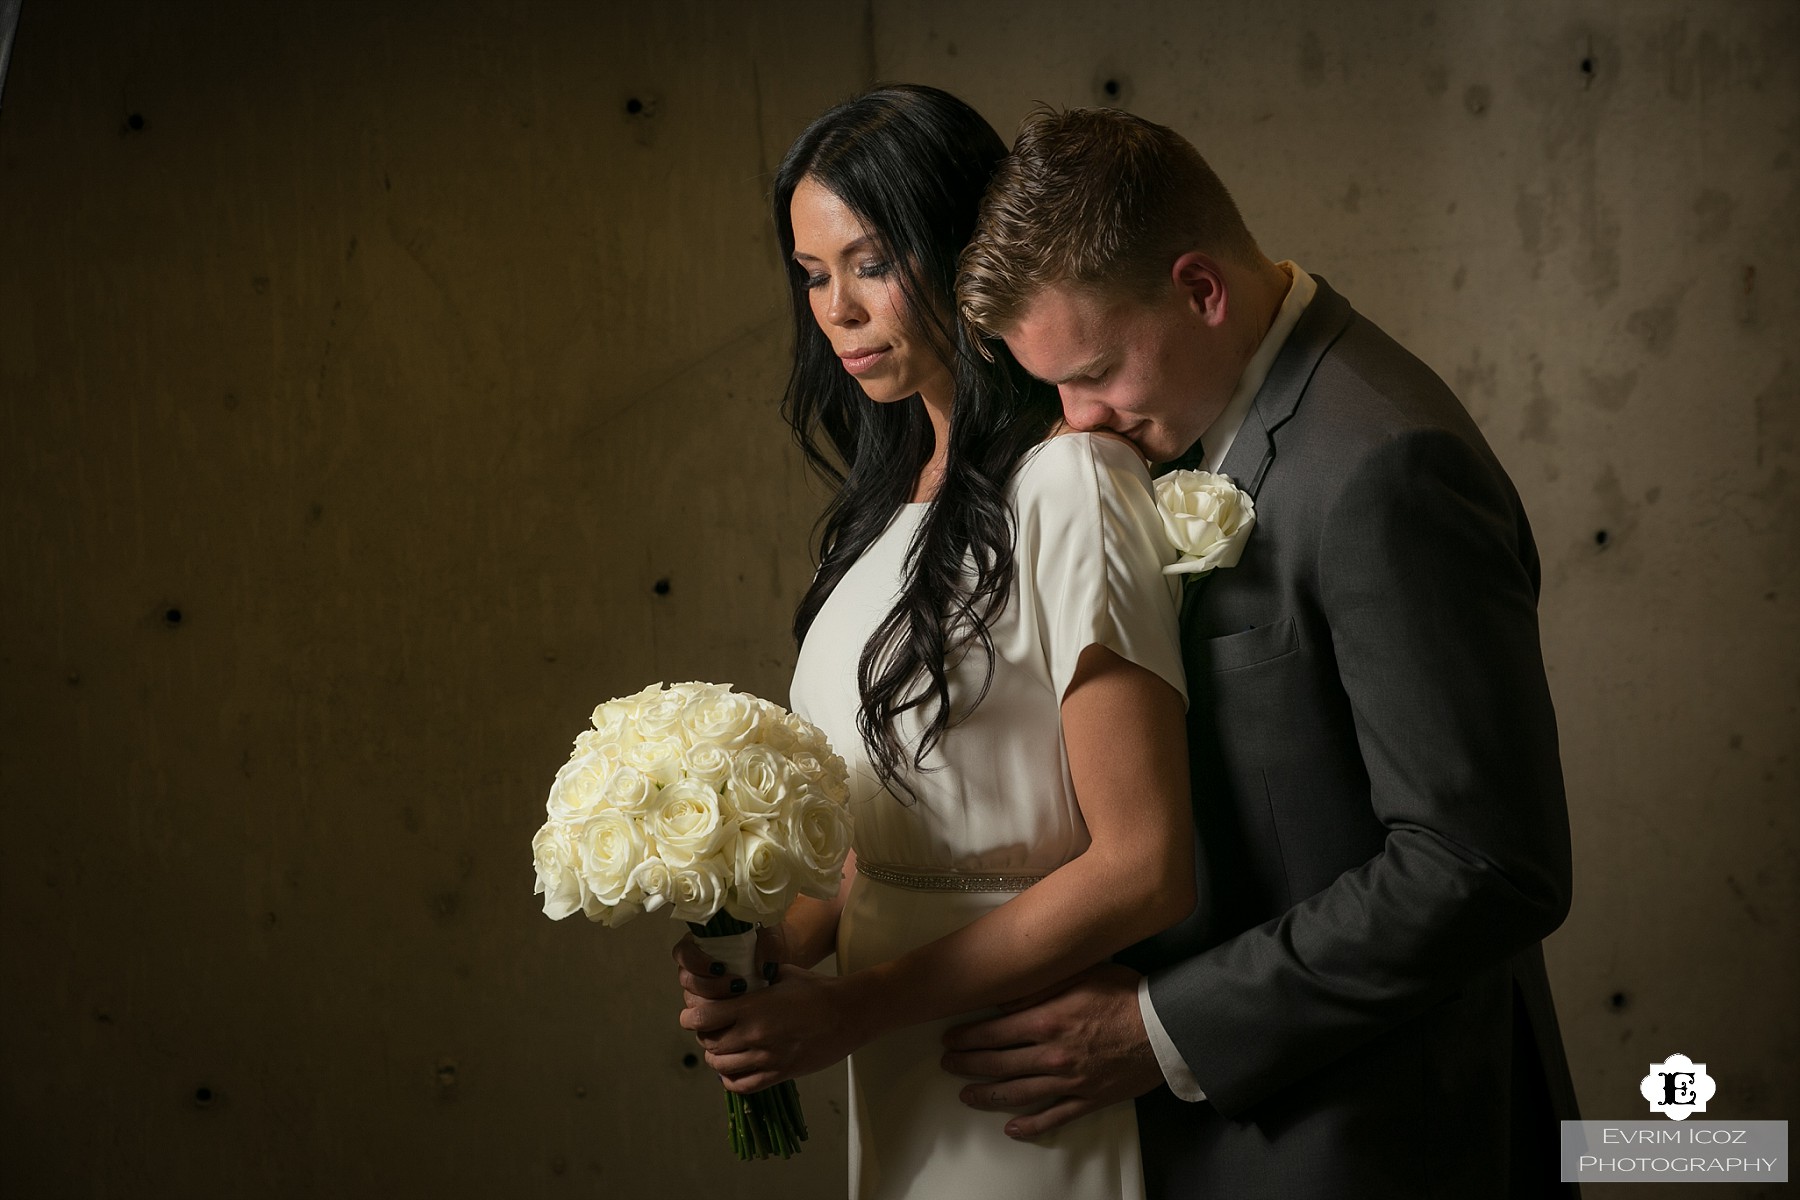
[384,385]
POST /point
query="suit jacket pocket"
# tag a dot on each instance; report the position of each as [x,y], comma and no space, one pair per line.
[1247,648]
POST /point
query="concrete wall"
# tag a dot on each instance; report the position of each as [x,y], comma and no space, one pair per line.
[384,384]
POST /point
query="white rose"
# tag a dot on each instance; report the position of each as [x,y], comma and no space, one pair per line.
[659,759]
[708,762]
[762,875]
[579,789]
[1207,517]
[628,790]
[727,719]
[605,755]
[817,832]
[836,783]
[616,722]
[651,879]
[808,764]
[775,733]
[554,857]
[613,915]
[806,735]
[610,846]
[661,719]
[759,784]
[687,822]
[697,889]
[630,706]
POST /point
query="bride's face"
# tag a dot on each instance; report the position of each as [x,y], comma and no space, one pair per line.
[857,300]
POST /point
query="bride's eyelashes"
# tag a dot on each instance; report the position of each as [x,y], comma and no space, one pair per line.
[874,270]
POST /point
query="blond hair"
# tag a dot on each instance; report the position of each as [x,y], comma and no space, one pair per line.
[1097,198]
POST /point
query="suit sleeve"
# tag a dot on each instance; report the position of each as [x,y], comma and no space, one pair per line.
[1427,579]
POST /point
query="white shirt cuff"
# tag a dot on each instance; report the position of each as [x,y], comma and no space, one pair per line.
[1175,1070]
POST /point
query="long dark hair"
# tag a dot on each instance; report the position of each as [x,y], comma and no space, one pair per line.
[911,162]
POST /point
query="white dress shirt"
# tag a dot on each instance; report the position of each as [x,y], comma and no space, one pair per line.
[1217,442]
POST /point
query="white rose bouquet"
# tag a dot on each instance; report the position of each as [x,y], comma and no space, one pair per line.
[1208,517]
[716,806]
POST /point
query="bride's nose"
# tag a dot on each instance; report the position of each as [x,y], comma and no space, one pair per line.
[844,309]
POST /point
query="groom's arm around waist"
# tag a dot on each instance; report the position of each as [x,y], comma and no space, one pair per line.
[1426,580]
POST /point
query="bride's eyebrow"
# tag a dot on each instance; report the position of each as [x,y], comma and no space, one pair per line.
[865,242]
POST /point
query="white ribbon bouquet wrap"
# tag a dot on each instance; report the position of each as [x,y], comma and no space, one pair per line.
[1207,517]
[716,806]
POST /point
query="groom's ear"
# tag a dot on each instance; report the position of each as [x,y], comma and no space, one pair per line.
[1200,281]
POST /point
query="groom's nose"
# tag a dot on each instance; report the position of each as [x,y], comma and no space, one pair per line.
[1084,415]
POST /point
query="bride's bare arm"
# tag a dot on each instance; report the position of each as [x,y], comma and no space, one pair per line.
[809,931]
[1126,737]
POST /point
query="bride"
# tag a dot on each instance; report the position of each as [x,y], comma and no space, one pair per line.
[990,642]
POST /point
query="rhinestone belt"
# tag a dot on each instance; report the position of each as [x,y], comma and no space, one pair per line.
[945,881]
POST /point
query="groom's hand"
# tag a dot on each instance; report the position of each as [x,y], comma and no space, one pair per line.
[1065,1052]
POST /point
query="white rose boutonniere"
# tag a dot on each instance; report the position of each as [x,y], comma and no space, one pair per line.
[1207,517]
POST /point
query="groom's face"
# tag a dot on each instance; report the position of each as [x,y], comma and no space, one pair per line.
[1150,370]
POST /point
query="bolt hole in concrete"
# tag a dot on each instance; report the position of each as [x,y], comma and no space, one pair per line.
[1111,88]
[1601,537]
[203,1096]
[690,1060]
[172,618]
[1618,1001]
[136,121]
[660,587]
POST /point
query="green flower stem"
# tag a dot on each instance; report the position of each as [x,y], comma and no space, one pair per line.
[766,1123]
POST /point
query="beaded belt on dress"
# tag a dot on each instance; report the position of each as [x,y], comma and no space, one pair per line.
[946,881]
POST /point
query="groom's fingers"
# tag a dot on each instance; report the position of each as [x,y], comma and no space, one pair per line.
[1011,1063]
[995,1033]
[1055,1117]
[1029,1094]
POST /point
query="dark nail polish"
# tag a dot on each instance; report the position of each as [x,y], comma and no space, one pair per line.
[737,985]
[771,970]
[717,968]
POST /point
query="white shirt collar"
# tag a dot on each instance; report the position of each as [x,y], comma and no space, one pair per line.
[1224,430]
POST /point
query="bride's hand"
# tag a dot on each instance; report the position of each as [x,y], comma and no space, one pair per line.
[801,1023]
[705,978]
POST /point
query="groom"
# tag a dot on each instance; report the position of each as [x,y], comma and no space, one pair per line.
[1358,1005]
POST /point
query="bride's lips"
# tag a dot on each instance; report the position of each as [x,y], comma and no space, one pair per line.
[861,358]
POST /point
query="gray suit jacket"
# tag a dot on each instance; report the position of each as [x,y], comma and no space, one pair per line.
[1382,835]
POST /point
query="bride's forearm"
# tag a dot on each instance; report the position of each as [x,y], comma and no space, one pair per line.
[810,926]
[1081,914]
[1125,732]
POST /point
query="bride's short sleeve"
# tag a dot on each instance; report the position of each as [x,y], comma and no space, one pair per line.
[1091,554]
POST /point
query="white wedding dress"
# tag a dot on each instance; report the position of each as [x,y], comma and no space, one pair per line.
[998,804]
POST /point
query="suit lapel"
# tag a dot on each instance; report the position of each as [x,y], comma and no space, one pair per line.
[1253,450]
